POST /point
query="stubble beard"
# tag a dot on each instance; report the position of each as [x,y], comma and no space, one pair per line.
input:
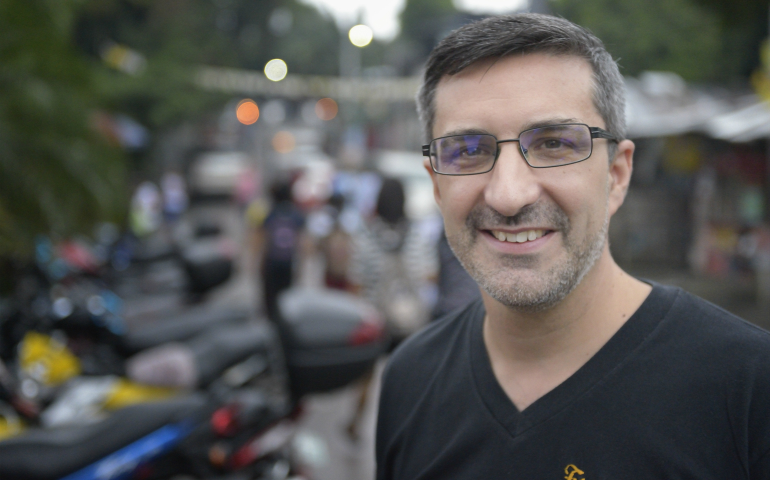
[514,281]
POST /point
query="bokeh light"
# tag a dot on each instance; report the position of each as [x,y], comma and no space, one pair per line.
[247,111]
[326,109]
[360,35]
[283,142]
[276,70]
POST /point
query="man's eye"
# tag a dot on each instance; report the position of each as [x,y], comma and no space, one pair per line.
[551,144]
[473,151]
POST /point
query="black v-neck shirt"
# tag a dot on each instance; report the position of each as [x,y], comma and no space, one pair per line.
[681,391]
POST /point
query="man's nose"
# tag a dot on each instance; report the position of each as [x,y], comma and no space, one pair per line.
[513,184]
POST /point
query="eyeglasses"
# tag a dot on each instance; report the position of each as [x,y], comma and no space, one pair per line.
[542,147]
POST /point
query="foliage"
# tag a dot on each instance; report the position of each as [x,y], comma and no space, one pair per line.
[423,24]
[423,20]
[57,175]
[173,39]
[673,35]
[743,27]
[701,40]
[309,45]
[178,36]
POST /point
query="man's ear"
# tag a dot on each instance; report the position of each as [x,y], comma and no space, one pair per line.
[620,172]
[434,179]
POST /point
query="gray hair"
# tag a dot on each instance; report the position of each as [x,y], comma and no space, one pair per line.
[521,34]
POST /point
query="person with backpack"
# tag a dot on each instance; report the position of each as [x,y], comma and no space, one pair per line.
[281,241]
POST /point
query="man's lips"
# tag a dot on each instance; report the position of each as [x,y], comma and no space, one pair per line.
[518,236]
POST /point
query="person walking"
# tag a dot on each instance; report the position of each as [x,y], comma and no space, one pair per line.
[391,262]
[280,240]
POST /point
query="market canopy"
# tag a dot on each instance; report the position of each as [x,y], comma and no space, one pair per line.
[746,124]
[662,104]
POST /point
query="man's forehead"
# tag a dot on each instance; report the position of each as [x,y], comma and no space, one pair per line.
[534,85]
[522,63]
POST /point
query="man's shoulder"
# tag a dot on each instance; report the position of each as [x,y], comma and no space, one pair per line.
[428,350]
[711,326]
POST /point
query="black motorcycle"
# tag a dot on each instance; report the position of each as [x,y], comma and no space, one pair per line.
[240,422]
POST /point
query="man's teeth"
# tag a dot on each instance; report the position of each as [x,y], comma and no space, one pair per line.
[520,237]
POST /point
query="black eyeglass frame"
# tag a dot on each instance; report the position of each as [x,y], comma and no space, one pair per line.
[596,132]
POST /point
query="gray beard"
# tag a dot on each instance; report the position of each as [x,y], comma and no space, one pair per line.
[506,282]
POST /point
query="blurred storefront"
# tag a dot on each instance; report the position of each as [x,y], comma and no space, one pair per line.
[701,194]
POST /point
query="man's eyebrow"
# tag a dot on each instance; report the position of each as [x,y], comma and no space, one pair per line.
[466,131]
[548,123]
[526,126]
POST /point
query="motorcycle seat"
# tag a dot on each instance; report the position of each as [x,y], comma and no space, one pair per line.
[48,454]
[222,348]
[181,326]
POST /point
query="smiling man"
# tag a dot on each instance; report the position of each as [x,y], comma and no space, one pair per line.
[568,367]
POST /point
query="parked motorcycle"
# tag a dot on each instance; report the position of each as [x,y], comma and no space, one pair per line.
[241,423]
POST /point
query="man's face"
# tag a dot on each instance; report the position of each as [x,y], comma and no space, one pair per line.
[562,212]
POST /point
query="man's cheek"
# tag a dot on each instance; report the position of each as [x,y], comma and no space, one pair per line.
[453,218]
[457,228]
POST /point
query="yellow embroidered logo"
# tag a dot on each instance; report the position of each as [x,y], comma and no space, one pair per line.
[573,473]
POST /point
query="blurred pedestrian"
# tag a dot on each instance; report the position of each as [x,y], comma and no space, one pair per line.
[280,242]
[175,198]
[335,246]
[392,263]
[146,209]
[247,187]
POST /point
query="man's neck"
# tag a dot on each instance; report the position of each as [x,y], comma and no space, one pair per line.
[533,352]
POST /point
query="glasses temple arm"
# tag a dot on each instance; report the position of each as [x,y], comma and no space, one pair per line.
[597,132]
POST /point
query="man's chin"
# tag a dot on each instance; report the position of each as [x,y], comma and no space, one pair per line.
[525,282]
[529,268]
[525,291]
[528,283]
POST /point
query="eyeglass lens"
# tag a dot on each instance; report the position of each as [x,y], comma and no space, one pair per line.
[542,147]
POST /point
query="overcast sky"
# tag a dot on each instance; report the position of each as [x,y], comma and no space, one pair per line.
[382,15]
